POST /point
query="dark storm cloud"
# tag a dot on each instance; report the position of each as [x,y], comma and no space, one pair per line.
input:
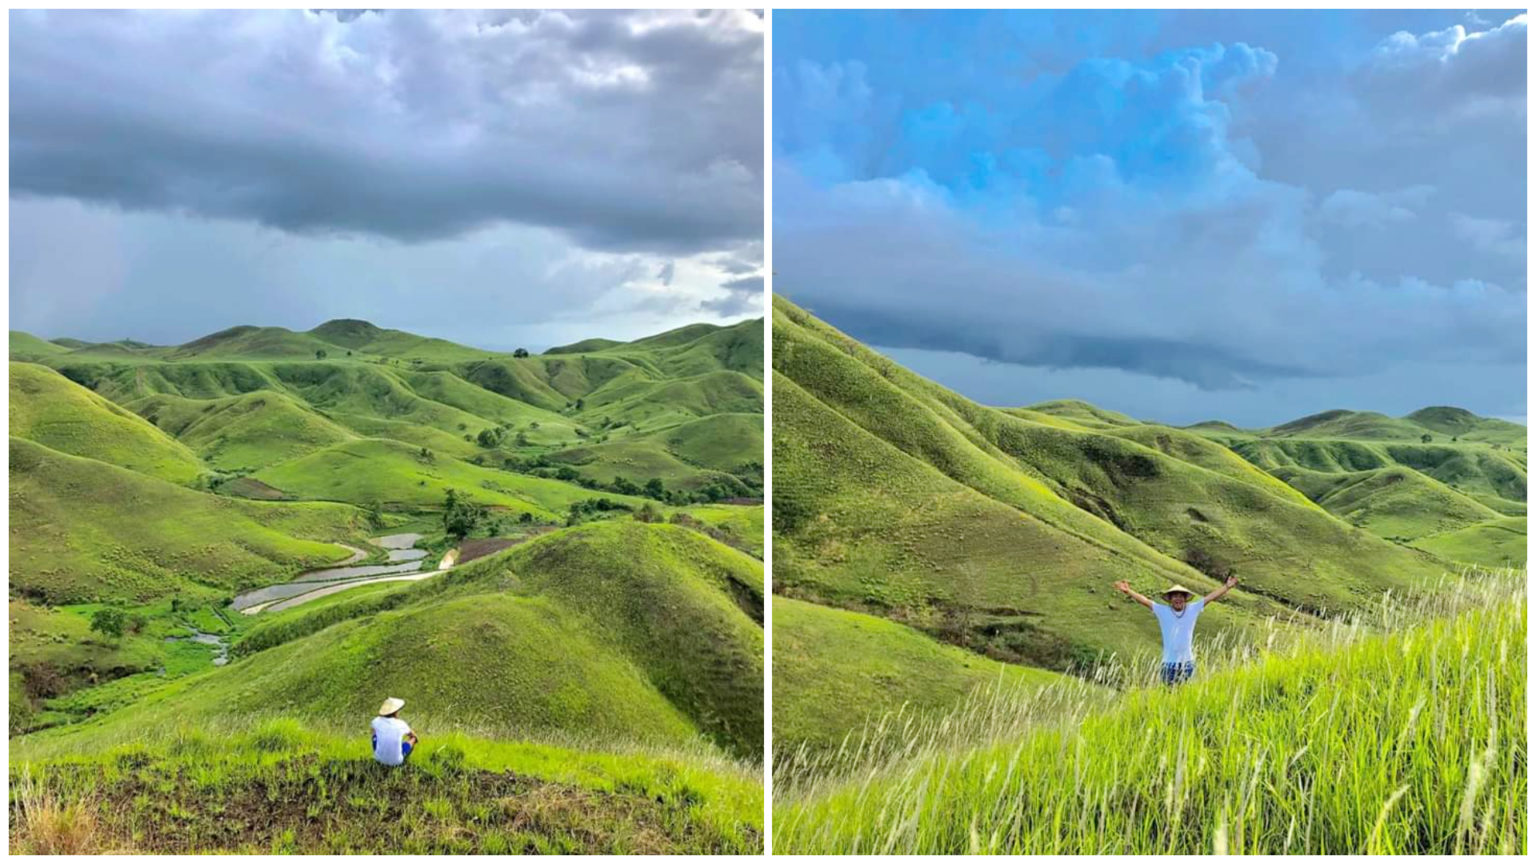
[743,297]
[625,131]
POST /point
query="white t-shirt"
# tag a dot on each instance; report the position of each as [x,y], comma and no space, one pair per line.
[388,734]
[1178,630]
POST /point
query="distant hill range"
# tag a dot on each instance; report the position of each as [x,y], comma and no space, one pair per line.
[163,480]
[907,507]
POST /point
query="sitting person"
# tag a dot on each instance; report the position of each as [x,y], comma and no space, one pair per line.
[393,739]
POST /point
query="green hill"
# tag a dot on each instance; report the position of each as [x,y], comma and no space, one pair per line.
[372,470]
[1461,423]
[1001,531]
[1339,423]
[612,632]
[51,410]
[247,341]
[1493,543]
[1395,502]
[585,346]
[85,530]
[589,681]
[835,671]
[896,495]
[25,346]
[249,431]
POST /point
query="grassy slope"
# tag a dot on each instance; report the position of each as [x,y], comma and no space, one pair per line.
[1001,530]
[1284,546]
[83,529]
[609,632]
[51,410]
[1495,543]
[744,523]
[249,431]
[25,346]
[1264,758]
[680,605]
[1396,502]
[380,470]
[834,671]
[688,456]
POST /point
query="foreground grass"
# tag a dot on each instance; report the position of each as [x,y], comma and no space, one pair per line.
[1403,736]
[276,786]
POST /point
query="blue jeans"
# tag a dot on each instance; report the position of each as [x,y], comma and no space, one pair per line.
[1178,673]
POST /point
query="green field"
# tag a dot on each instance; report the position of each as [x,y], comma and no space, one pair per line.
[930,553]
[596,687]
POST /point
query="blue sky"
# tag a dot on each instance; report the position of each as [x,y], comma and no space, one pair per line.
[1248,216]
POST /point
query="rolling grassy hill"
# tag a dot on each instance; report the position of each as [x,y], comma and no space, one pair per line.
[53,411]
[1002,530]
[611,637]
[83,530]
[618,640]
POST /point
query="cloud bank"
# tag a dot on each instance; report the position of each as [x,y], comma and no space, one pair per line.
[613,141]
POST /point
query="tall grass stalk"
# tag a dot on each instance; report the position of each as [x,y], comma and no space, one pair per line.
[1399,729]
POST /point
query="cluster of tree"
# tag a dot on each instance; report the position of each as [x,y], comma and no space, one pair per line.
[594,508]
[114,622]
[461,517]
[521,352]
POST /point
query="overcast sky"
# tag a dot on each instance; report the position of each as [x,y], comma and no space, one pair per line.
[1183,216]
[499,179]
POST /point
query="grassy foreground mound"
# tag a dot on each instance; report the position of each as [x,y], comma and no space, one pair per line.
[1402,738]
[279,787]
[636,648]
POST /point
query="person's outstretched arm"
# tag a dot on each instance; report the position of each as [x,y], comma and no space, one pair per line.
[1124,587]
[1222,591]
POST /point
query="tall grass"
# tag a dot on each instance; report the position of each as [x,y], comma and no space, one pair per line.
[1400,730]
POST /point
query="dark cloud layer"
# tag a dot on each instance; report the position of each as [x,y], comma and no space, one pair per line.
[501,179]
[629,131]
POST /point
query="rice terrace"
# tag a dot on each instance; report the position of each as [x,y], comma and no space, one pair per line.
[225,553]
[948,568]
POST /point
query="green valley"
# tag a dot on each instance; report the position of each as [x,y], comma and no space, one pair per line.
[955,672]
[226,553]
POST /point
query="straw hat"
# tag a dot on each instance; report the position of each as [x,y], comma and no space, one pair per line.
[1178,589]
[390,706]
